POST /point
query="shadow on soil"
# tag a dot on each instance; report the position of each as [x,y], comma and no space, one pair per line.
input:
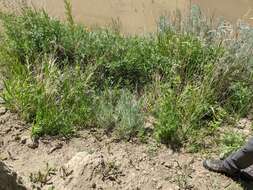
[245,181]
[246,185]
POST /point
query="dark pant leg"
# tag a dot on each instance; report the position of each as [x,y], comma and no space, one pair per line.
[241,159]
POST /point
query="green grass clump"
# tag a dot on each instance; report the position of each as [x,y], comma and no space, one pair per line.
[231,142]
[182,115]
[34,34]
[47,97]
[189,76]
[240,100]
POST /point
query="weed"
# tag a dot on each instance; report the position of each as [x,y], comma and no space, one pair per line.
[169,123]
[182,115]
[183,175]
[42,178]
[68,8]
[240,99]
[47,97]
[111,172]
[231,142]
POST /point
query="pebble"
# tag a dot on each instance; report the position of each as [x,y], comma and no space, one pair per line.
[55,147]
[32,143]
[2,111]
[23,140]
[1,100]
[167,165]
[159,186]
[94,186]
[1,143]
[7,130]
[17,137]
[3,158]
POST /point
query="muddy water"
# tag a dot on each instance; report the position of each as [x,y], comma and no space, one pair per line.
[229,9]
[134,16]
[140,16]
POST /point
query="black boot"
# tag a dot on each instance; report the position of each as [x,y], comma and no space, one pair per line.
[215,166]
[247,174]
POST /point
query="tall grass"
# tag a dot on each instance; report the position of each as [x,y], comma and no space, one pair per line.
[69,15]
[61,77]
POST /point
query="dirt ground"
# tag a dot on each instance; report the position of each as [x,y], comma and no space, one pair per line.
[92,160]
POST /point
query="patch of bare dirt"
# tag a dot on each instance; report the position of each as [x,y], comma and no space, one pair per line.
[93,161]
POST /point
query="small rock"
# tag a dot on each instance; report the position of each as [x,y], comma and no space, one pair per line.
[55,147]
[7,130]
[154,180]
[3,111]
[15,126]
[11,157]
[1,143]
[1,100]
[17,137]
[159,186]
[4,119]
[167,165]
[23,140]
[94,186]
[32,143]
[3,158]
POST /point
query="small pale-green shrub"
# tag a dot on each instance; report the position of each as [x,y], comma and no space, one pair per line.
[120,114]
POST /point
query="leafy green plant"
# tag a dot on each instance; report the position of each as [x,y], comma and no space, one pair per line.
[231,142]
[240,100]
[181,115]
[168,126]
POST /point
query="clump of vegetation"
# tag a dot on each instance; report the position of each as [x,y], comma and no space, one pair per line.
[42,178]
[62,77]
[216,87]
[47,97]
[231,142]
[119,111]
